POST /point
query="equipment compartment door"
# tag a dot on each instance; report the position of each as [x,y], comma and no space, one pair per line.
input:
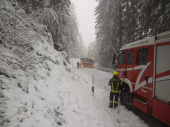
[161,105]
[162,83]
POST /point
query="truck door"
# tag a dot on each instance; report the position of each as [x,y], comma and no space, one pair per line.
[162,84]
[141,69]
[122,64]
[130,66]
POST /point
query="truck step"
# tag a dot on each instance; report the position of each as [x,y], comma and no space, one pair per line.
[140,101]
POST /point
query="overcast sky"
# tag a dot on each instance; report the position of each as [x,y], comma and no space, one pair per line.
[86,19]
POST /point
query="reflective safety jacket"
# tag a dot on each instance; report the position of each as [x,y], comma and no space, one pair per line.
[115,83]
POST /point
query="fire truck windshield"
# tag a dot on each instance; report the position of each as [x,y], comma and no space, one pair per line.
[122,57]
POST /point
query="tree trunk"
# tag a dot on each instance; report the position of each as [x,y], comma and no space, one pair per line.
[120,25]
[133,22]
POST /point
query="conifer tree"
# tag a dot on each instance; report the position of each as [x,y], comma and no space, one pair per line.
[119,22]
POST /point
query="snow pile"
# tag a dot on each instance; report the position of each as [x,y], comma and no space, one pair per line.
[31,73]
[29,83]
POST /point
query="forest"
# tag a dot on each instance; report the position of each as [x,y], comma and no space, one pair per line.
[119,22]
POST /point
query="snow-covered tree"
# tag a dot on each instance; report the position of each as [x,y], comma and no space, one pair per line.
[59,18]
[154,16]
[119,22]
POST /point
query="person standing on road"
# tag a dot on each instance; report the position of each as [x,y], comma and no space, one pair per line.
[115,83]
[77,65]
[80,64]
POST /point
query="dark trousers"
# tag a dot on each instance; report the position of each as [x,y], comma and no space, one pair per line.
[116,98]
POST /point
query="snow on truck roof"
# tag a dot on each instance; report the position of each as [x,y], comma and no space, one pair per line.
[143,42]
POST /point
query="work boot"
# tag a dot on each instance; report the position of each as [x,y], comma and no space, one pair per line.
[111,105]
[115,105]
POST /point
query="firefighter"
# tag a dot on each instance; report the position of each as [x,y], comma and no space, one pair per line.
[77,65]
[115,83]
[80,64]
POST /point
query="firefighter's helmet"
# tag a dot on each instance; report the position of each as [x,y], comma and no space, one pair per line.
[115,73]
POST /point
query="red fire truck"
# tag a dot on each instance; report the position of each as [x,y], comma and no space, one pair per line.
[144,67]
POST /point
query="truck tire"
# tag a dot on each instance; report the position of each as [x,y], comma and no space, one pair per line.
[126,97]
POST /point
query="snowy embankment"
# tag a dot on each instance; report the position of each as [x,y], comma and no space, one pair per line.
[50,95]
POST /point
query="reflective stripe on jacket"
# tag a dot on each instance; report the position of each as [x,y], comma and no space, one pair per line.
[114,83]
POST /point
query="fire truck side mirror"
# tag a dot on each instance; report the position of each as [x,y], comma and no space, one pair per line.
[146,77]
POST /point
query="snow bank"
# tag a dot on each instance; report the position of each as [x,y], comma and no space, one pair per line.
[33,75]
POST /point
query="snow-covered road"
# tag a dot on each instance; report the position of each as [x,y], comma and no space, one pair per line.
[119,117]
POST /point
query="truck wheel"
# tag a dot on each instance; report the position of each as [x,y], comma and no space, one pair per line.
[126,98]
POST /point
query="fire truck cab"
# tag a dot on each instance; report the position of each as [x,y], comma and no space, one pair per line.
[144,67]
